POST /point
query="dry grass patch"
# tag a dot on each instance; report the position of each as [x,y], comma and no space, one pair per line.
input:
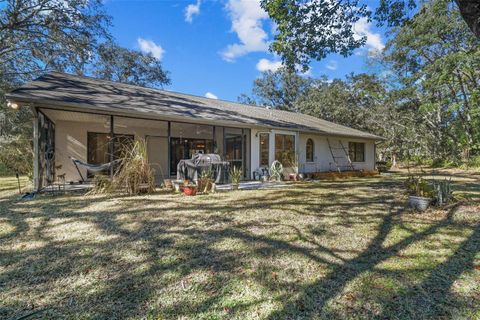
[343,249]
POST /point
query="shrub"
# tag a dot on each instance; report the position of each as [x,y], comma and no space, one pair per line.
[418,186]
[205,181]
[472,163]
[102,184]
[135,175]
[235,175]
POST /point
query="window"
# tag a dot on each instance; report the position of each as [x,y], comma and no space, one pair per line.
[284,148]
[264,149]
[309,150]
[356,151]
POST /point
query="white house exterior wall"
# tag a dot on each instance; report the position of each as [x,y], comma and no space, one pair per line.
[323,160]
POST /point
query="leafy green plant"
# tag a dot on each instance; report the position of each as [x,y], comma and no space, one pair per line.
[205,180]
[418,186]
[235,175]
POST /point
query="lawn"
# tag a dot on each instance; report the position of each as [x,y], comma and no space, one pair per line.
[334,249]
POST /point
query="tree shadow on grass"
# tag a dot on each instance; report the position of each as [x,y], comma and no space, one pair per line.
[430,303]
[177,250]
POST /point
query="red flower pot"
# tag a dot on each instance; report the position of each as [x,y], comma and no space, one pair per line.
[189,190]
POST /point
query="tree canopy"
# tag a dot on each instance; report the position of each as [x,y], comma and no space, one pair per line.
[67,35]
[310,30]
[429,106]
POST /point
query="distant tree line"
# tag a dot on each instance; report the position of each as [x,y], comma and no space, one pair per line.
[425,99]
[69,35]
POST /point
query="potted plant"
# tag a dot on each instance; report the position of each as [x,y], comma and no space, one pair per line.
[235,176]
[420,193]
[205,181]
[168,184]
[189,189]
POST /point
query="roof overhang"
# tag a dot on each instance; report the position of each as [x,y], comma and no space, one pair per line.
[23,101]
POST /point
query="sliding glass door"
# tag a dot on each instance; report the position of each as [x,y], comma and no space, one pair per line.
[185,149]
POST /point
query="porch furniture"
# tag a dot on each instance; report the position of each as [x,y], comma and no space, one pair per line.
[93,167]
[262,174]
[190,169]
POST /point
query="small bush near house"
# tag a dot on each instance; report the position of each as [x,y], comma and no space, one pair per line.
[135,175]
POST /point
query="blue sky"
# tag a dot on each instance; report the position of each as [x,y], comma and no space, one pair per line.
[217,48]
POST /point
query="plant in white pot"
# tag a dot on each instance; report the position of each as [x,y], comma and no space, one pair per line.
[235,176]
[420,193]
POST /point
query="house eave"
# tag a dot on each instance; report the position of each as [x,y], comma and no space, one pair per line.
[86,108]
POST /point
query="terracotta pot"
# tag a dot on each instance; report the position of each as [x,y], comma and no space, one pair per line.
[419,203]
[190,190]
[293,176]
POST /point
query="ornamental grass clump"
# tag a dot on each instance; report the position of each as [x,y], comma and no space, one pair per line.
[102,184]
[135,175]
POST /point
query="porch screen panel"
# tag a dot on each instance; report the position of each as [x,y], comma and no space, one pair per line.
[234,147]
[157,151]
[218,149]
[140,128]
[188,130]
[46,151]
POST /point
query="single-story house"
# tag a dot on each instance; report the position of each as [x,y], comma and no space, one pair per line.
[88,119]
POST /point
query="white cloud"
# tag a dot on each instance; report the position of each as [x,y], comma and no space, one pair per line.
[210,95]
[332,65]
[268,65]
[362,28]
[150,47]
[191,10]
[246,16]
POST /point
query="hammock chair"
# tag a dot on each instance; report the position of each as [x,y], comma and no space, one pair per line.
[93,167]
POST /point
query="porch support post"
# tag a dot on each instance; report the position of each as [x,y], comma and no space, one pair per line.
[36,178]
[215,148]
[111,145]
[271,147]
[169,151]
[297,152]
[224,151]
[244,169]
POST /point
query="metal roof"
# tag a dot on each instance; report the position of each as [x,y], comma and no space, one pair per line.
[86,94]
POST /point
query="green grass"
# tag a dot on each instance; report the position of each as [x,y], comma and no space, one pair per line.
[338,249]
